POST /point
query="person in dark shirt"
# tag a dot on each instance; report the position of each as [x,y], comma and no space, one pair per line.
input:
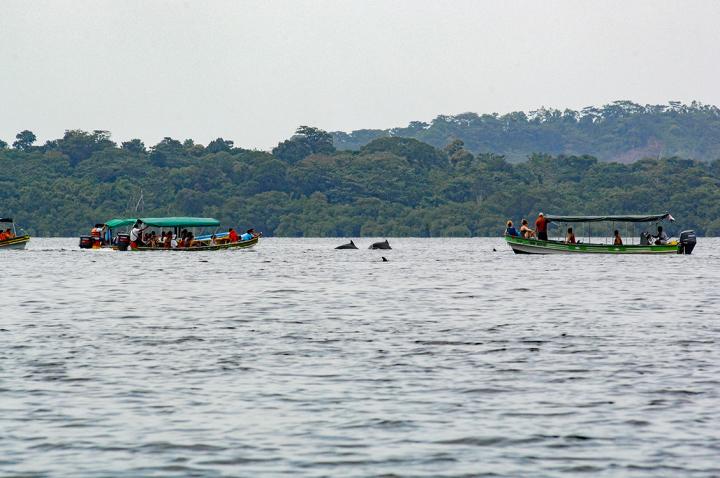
[618,240]
[570,236]
[525,230]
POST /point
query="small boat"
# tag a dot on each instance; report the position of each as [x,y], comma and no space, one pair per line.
[107,236]
[14,242]
[684,245]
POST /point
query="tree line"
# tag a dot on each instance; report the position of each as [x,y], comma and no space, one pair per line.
[622,131]
[391,186]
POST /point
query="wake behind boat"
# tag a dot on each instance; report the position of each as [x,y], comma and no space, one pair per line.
[529,241]
[166,234]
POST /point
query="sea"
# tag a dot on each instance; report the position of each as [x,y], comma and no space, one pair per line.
[451,358]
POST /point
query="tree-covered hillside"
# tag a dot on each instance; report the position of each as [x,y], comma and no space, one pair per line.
[392,186]
[622,131]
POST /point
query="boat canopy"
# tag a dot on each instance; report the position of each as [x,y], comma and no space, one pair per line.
[113,223]
[180,221]
[628,218]
[6,219]
[164,222]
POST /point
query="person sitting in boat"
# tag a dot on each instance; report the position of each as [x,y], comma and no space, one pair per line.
[618,240]
[232,235]
[248,235]
[3,236]
[213,240]
[661,237]
[189,240]
[570,236]
[525,230]
[541,227]
[510,230]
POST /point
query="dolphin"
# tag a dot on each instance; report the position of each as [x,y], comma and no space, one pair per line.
[380,245]
[349,245]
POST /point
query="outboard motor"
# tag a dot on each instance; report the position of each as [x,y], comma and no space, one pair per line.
[86,242]
[687,242]
[123,242]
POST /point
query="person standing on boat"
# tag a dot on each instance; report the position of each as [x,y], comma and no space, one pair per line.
[136,235]
[541,227]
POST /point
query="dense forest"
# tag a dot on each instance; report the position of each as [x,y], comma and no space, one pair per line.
[622,131]
[391,186]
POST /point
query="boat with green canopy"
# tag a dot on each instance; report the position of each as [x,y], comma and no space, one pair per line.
[646,244]
[9,238]
[177,233]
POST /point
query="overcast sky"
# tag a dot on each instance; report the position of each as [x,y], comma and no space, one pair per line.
[252,71]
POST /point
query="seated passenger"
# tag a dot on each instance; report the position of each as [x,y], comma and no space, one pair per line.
[232,235]
[3,235]
[525,230]
[570,236]
[510,230]
[618,240]
[189,240]
[213,240]
[661,237]
[167,242]
[248,235]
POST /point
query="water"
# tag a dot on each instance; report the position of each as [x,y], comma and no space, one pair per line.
[294,359]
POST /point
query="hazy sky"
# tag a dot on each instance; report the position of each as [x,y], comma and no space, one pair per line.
[252,71]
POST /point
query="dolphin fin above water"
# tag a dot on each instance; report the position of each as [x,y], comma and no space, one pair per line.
[380,245]
[349,245]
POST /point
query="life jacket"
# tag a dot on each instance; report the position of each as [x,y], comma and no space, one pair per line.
[96,232]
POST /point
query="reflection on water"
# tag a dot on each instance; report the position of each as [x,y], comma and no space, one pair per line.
[296,359]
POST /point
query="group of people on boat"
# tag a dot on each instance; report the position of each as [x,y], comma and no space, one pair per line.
[540,232]
[183,240]
[526,232]
[6,234]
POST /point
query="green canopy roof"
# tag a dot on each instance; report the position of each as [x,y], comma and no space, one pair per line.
[165,222]
[629,218]
[113,223]
[180,221]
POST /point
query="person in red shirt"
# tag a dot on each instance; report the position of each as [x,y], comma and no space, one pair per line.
[232,235]
[541,227]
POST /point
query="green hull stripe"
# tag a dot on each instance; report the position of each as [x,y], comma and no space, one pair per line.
[589,248]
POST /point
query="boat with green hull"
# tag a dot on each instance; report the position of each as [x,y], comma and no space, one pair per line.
[15,241]
[534,246]
[684,245]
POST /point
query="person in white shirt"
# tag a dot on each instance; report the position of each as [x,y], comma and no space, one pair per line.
[136,235]
[661,237]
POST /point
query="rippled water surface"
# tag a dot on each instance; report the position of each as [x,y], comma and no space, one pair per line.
[294,359]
